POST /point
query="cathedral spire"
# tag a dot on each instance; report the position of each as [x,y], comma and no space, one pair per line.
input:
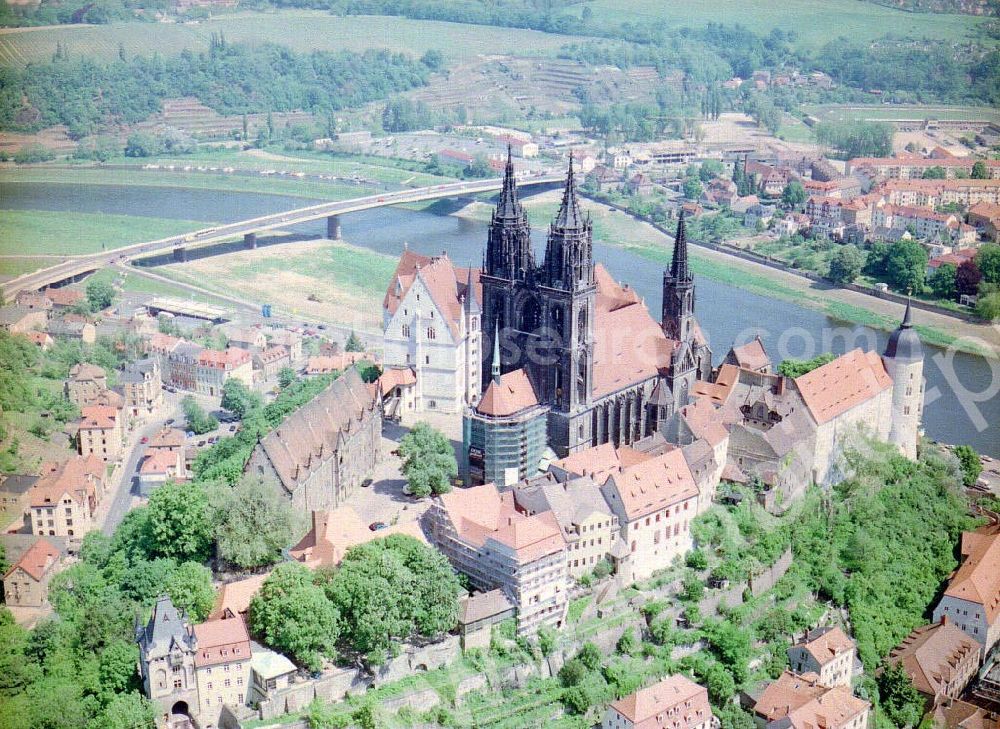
[569,217]
[508,206]
[679,265]
[495,371]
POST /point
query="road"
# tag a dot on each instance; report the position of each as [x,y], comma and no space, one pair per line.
[80,265]
[127,486]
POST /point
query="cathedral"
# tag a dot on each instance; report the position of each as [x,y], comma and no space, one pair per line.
[604,368]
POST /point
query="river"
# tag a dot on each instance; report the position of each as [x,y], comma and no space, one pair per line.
[726,313]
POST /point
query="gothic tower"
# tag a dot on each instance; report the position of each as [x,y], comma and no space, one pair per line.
[678,320]
[508,263]
[904,361]
[565,299]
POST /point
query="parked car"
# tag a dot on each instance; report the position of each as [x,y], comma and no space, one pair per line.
[366,483]
[377,525]
[144,439]
[170,421]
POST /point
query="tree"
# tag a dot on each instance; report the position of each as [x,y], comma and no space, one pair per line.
[293,615]
[428,460]
[967,278]
[731,645]
[979,171]
[694,589]
[710,169]
[899,698]
[988,307]
[796,368]
[141,144]
[969,461]
[434,60]
[117,667]
[198,421]
[988,261]
[125,711]
[354,344]
[935,173]
[286,376]
[794,194]
[190,589]
[100,294]
[906,266]
[390,589]
[942,281]
[238,398]
[845,264]
[252,522]
[692,188]
[178,524]
[719,682]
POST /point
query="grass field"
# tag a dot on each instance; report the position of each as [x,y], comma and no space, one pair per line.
[841,112]
[11,266]
[72,233]
[188,181]
[815,23]
[365,167]
[301,30]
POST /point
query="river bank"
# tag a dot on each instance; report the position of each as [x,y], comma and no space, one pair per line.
[621,230]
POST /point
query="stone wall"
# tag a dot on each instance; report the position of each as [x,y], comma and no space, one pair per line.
[763,582]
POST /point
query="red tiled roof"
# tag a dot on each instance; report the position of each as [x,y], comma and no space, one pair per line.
[225,359]
[654,484]
[807,704]
[511,394]
[445,282]
[167,438]
[598,461]
[752,355]
[645,708]
[930,655]
[334,532]
[956,259]
[978,578]
[98,417]
[39,558]
[849,380]
[236,596]
[64,297]
[393,377]
[824,648]
[161,461]
[221,641]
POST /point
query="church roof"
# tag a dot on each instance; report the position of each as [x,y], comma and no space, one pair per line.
[446,283]
[511,394]
[569,216]
[629,344]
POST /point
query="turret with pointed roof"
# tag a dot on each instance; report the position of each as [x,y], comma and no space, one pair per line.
[904,361]
[678,289]
[569,255]
[508,247]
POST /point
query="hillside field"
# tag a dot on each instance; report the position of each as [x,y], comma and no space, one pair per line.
[838,112]
[300,30]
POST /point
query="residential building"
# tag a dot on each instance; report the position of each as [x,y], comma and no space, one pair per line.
[321,453]
[486,538]
[158,467]
[972,598]
[639,184]
[248,338]
[143,388]
[676,702]
[827,652]
[802,702]
[71,326]
[767,179]
[504,434]
[985,218]
[478,613]
[655,501]
[758,215]
[85,383]
[222,659]
[14,495]
[924,224]
[64,298]
[26,583]
[182,366]
[587,522]
[963,715]
[167,439]
[101,432]
[334,532]
[33,300]
[289,340]
[64,499]
[934,193]
[431,322]
[42,340]
[271,361]
[214,368]
[269,672]
[911,167]
[21,320]
[333,363]
[940,659]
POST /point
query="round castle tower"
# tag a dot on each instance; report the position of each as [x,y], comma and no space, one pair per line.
[904,361]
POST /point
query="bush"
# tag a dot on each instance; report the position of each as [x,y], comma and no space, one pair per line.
[968,459]
[696,559]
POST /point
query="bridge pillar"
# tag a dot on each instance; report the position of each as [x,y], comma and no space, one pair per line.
[333,227]
[250,240]
[180,255]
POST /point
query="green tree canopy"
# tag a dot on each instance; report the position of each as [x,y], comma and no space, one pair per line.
[796,367]
[238,398]
[429,461]
[906,266]
[197,420]
[942,281]
[794,194]
[252,522]
[179,525]
[293,615]
[100,294]
[988,261]
[845,264]
[969,461]
[692,188]
[190,589]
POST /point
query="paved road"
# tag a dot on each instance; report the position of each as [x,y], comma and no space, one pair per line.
[83,264]
[127,485]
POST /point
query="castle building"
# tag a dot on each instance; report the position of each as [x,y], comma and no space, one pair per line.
[191,672]
[904,361]
[594,356]
[431,317]
[321,453]
[504,434]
